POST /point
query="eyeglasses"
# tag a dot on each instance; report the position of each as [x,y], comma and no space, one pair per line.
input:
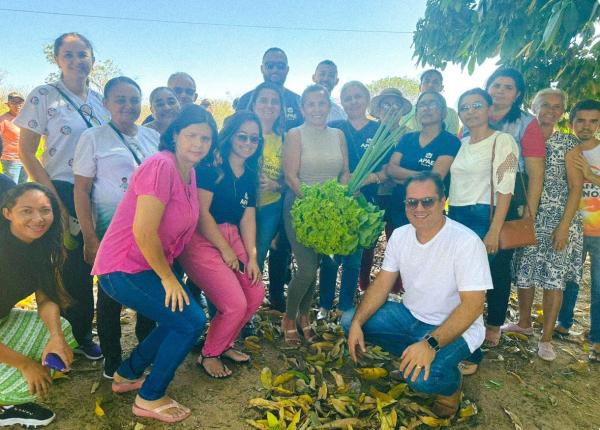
[181,90]
[242,137]
[426,202]
[431,106]
[466,107]
[388,106]
[280,65]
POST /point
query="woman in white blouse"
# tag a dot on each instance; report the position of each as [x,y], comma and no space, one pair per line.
[105,159]
[485,157]
[60,112]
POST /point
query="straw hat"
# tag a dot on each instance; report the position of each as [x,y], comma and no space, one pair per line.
[375,108]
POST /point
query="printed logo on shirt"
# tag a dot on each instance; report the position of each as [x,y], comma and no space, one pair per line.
[66,130]
[32,124]
[70,163]
[35,100]
[365,145]
[124,185]
[427,161]
[590,208]
[43,91]
[52,151]
[290,115]
[244,201]
[51,112]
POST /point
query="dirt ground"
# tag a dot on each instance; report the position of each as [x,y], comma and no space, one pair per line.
[512,381]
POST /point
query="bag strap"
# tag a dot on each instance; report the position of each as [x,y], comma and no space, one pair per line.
[522,181]
[74,105]
[124,141]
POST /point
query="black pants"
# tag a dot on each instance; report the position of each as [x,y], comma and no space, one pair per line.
[279,270]
[109,330]
[78,282]
[497,298]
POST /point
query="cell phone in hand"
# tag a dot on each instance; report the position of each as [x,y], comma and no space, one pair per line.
[53,361]
[241,267]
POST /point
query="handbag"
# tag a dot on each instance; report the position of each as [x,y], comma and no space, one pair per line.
[516,233]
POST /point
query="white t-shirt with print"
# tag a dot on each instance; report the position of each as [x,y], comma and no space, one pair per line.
[100,154]
[434,273]
[470,170]
[47,113]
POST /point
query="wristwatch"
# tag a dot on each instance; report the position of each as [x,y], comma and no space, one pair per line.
[432,342]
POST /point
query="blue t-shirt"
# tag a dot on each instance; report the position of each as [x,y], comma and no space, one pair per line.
[417,158]
[231,195]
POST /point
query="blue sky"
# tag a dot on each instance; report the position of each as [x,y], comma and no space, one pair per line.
[224,60]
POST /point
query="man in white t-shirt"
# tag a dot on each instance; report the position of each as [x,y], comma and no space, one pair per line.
[445,273]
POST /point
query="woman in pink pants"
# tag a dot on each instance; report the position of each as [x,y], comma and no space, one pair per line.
[221,257]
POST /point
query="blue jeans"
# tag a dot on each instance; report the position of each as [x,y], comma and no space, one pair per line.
[268,218]
[14,170]
[168,344]
[591,246]
[394,328]
[328,276]
[476,217]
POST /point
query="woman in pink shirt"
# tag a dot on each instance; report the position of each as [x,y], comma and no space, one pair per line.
[154,221]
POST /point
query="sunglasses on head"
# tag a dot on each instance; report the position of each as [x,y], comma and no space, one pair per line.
[270,65]
[181,90]
[242,137]
[467,107]
[426,202]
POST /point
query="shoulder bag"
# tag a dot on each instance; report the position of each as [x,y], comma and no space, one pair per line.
[516,233]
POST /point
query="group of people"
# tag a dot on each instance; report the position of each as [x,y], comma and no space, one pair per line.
[144,208]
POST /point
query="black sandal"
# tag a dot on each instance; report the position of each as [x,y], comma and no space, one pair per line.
[200,365]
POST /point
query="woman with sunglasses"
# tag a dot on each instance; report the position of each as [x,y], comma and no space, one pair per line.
[314,154]
[61,112]
[164,107]
[506,87]
[105,159]
[432,148]
[221,257]
[485,155]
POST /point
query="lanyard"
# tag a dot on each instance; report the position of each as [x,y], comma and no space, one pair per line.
[136,153]
[88,122]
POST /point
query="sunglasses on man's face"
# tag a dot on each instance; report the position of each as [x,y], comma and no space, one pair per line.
[426,202]
[181,90]
[280,65]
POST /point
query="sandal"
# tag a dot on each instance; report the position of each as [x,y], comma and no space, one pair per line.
[307,331]
[516,328]
[546,351]
[290,337]
[126,386]
[562,335]
[200,364]
[226,355]
[447,406]
[594,356]
[158,413]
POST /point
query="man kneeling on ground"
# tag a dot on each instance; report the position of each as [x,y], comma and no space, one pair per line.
[445,272]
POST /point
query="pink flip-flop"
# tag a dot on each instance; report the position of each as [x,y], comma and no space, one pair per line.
[124,387]
[157,414]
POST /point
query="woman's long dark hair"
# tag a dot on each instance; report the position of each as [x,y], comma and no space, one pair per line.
[231,126]
[506,72]
[279,125]
[47,253]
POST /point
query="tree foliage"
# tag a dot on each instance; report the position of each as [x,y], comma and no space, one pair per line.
[102,72]
[549,41]
[409,87]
